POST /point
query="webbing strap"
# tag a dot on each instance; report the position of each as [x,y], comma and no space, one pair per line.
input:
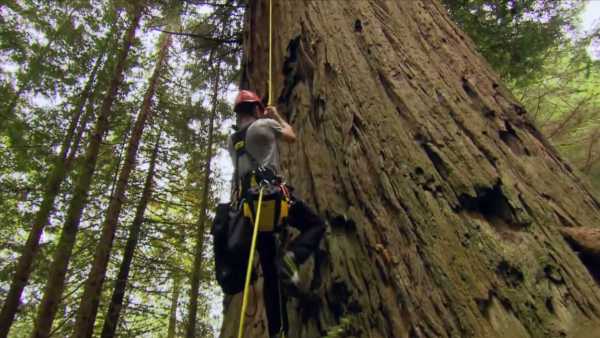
[249,268]
[239,146]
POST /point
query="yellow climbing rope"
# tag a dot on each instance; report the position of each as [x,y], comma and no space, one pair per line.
[249,268]
[270,52]
[260,195]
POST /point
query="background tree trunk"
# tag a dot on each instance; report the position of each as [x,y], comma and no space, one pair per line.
[86,315]
[116,302]
[200,232]
[444,202]
[171,332]
[61,257]
[54,180]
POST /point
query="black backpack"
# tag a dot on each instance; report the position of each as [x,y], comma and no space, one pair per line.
[230,258]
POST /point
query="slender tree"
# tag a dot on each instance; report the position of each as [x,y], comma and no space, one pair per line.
[86,315]
[62,166]
[444,201]
[173,311]
[116,302]
[200,230]
[62,254]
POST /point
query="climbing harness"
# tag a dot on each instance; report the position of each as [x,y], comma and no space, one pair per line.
[276,199]
[275,207]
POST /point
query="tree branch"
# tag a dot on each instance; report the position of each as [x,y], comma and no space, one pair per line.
[590,158]
[199,36]
[229,4]
[571,115]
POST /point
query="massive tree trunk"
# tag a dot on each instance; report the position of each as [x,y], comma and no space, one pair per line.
[444,202]
[88,308]
[201,224]
[61,167]
[62,254]
[116,302]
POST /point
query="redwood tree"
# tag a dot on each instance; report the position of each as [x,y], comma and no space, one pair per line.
[444,202]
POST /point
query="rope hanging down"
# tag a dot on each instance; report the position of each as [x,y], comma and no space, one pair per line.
[249,268]
[260,195]
[270,102]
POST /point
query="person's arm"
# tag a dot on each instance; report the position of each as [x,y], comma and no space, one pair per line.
[287,132]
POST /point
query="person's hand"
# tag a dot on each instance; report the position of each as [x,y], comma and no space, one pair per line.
[287,132]
[271,112]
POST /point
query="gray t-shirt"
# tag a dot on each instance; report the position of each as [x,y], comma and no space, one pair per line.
[261,144]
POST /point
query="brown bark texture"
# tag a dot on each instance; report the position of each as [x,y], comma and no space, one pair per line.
[60,260]
[443,201]
[88,308]
[61,167]
[201,224]
[116,303]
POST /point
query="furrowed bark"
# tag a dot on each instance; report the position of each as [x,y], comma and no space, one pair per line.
[60,169]
[444,202]
[56,279]
[116,303]
[88,308]
[195,277]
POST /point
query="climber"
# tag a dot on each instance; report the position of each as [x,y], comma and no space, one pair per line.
[255,146]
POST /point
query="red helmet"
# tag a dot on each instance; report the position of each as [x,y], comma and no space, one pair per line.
[247,96]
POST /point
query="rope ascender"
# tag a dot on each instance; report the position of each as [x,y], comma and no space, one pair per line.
[260,194]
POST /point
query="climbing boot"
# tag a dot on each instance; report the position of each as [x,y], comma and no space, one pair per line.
[288,269]
[277,335]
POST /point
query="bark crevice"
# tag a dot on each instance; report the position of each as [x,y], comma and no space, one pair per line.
[430,157]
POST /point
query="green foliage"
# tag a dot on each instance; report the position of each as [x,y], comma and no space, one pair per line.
[515,36]
[564,103]
[343,329]
[47,50]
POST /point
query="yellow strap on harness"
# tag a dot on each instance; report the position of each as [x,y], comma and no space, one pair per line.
[249,269]
[268,221]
